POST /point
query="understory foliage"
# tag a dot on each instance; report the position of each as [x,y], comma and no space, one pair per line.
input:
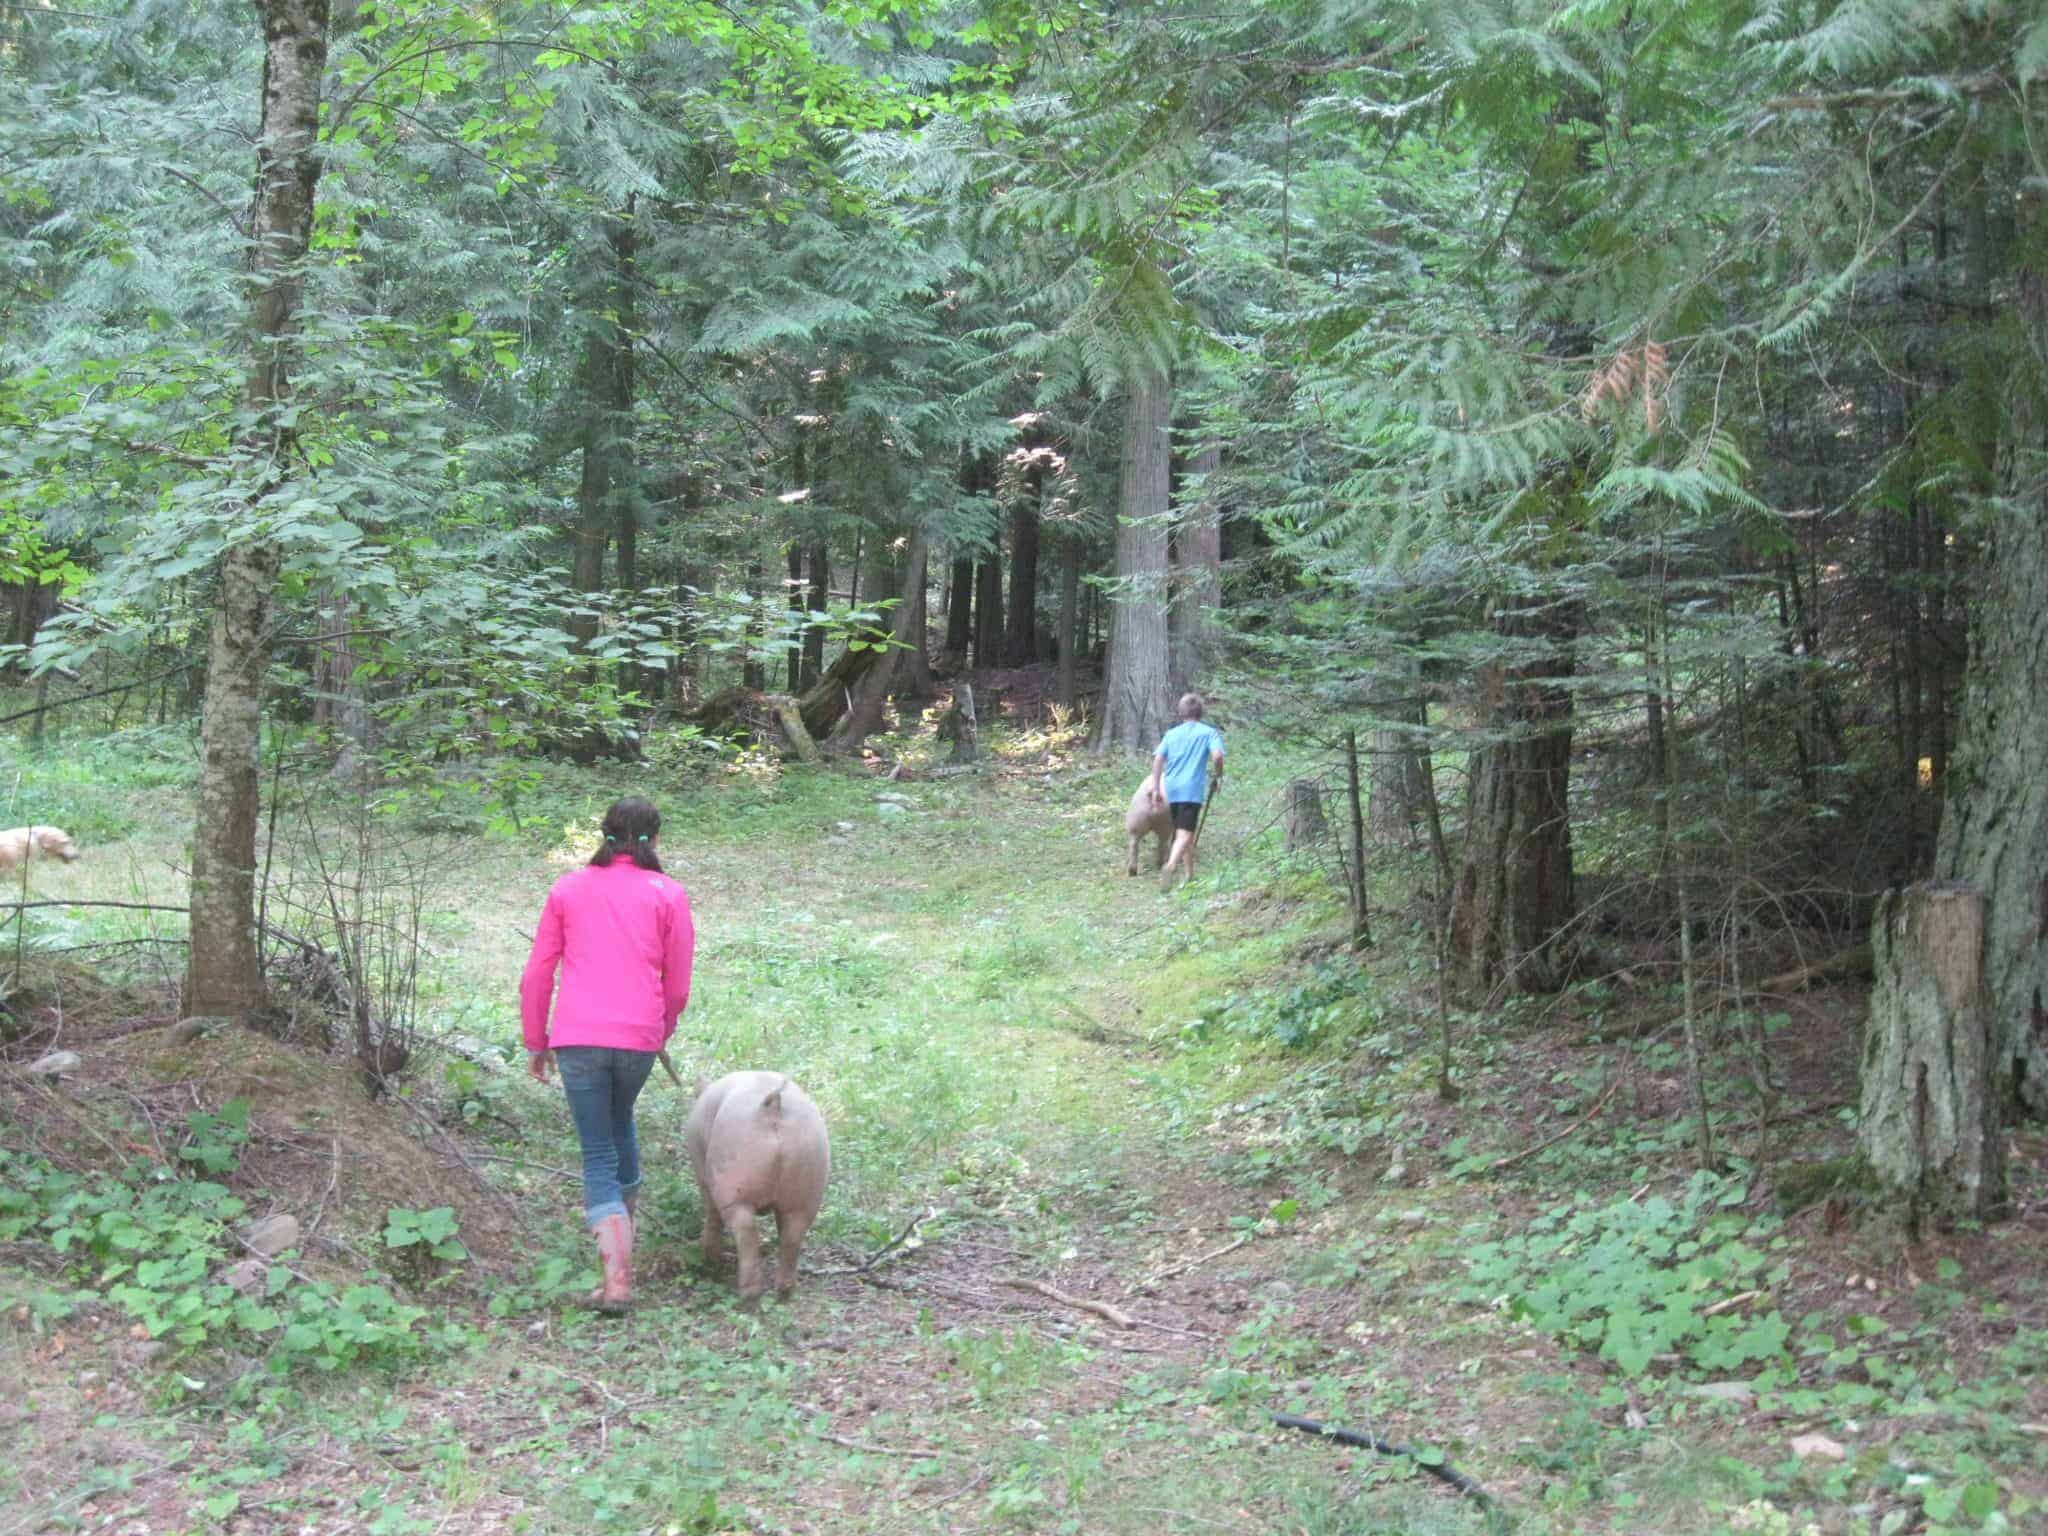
[1602,422]
[158,1244]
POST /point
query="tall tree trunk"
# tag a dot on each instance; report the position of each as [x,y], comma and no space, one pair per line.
[1994,831]
[988,609]
[1513,897]
[1022,647]
[914,678]
[1198,577]
[794,588]
[685,668]
[1396,754]
[959,614]
[865,717]
[820,599]
[1070,629]
[753,673]
[624,240]
[593,491]
[604,503]
[340,702]
[225,974]
[1934,1096]
[1136,708]
[883,576]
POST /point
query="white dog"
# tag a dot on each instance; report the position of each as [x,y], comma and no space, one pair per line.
[25,842]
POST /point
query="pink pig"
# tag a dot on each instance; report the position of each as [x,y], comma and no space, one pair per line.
[757,1143]
[1145,817]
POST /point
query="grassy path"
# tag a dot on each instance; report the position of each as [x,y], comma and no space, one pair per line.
[967,982]
[963,977]
[1015,1047]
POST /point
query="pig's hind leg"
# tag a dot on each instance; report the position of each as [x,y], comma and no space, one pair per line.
[712,1238]
[790,1228]
[746,1236]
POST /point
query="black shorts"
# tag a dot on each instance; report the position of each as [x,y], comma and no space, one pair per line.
[1185,814]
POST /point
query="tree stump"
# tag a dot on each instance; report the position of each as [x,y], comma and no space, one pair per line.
[1932,1100]
[1303,814]
[959,726]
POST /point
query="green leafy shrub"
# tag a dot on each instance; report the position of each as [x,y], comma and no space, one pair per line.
[156,1243]
[423,1242]
[1632,1280]
[1331,1004]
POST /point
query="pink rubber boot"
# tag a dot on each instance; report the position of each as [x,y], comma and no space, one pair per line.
[615,1252]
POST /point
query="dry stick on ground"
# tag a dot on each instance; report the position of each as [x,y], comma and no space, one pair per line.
[476,1173]
[927,1288]
[1580,1124]
[333,1183]
[1195,1263]
[520,1162]
[1101,1309]
[867,1448]
[870,1448]
[885,1250]
[1584,1120]
[128,906]
[55,1100]
[1730,1304]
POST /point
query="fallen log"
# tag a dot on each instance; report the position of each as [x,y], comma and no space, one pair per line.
[1852,964]
[772,719]
[826,704]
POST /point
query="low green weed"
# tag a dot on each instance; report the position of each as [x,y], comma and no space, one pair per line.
[1331,1004]
[423,1243]
[655,1483]
[1631,1280]
[1001,1366]
[156,1244]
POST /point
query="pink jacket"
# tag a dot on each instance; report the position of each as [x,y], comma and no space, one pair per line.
[624,940]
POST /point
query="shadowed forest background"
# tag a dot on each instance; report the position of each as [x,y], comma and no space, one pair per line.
[1593,458]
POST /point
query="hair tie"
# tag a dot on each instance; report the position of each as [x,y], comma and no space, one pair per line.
[643,837]
[612,838]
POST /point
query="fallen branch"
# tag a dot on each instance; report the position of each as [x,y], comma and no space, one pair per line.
[886,1249]
[1730,1304]
[455,1151]
[100,693]
[1600,1103]
[1195,1263]
[131,906]
[1101,1309]
[867,1448]
[1852,964]
[520,1162]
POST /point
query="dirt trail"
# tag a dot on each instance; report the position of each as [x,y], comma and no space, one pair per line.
[1085,1338]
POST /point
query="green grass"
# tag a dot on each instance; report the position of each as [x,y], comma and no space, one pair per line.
[1085,1084]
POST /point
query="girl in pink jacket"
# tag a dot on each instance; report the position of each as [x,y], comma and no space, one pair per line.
[620,932]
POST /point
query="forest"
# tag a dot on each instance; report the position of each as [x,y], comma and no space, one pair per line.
[1587,458]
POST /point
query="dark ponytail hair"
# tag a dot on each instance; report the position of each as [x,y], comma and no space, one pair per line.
[630,827]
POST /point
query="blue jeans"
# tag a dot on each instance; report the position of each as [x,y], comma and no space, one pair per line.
[602,1084]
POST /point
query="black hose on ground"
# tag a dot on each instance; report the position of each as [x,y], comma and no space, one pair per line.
[1442,1470]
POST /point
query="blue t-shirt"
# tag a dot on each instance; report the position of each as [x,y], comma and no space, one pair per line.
[1187,748]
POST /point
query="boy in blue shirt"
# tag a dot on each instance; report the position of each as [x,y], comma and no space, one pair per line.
[1187,755]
